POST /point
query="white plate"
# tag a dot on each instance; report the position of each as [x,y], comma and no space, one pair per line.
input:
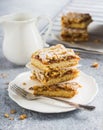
[86,94]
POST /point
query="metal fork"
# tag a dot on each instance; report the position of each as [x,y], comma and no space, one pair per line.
[21,92]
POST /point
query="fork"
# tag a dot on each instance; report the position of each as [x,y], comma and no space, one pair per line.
[29,96]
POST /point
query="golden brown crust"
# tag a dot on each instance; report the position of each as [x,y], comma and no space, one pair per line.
[54,54]
[66,90]
[72,39]
[51,81]
[63,86]
[59,93]
[76,20]
[54,66]
[74,34]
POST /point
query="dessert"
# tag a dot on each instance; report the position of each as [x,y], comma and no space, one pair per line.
[74,35]
[74,27]
[54,76]
[66,90]
[54,57]
[76,20]
[53,65]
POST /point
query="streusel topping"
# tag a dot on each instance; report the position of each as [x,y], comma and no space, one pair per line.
[54,54]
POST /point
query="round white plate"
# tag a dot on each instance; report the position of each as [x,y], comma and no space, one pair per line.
[45,105]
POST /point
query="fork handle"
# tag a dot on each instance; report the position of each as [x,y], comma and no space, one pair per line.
[78,106]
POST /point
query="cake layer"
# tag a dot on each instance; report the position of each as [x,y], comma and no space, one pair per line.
[74,34]
[66,90]
[54,79]
[59,93]
[54,57]
[76,20]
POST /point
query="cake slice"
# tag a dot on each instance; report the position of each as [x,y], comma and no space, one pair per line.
[65,90]
[74,35]
[76,20]
[54,76]
[54,58]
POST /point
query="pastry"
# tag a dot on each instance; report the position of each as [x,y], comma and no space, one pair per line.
[54,76]
[53,68]
[76,35]
[53,65]
[54,57]
[65,90]
[76,20]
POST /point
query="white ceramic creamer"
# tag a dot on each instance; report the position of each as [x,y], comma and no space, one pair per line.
[21,37]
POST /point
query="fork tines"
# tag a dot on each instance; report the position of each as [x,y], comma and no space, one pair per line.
[18,90]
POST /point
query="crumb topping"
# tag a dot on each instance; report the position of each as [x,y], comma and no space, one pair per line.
[54,54]
[77,17]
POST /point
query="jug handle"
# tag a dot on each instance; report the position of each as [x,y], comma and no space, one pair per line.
[48,29]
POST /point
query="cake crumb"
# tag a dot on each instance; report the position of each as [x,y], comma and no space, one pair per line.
[11,118]
[23,116]
[6,115]
[3,75]
[24,83]
[12,111]
[95,65]
[32,77]
[31,88]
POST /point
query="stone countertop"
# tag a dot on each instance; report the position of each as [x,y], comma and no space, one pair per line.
[74,120]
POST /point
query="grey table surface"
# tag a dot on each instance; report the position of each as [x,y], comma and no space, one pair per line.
[74,120]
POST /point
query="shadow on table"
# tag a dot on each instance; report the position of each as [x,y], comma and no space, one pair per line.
[76,114]
[5,64]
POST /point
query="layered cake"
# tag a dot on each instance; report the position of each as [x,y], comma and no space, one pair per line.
[74,27]
[74,35]
[76,20]
[54,65]
[66,90]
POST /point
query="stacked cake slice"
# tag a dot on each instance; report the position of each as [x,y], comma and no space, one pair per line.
[74,27]
[54,67]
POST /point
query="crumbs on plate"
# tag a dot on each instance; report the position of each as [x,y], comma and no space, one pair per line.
[23,83]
